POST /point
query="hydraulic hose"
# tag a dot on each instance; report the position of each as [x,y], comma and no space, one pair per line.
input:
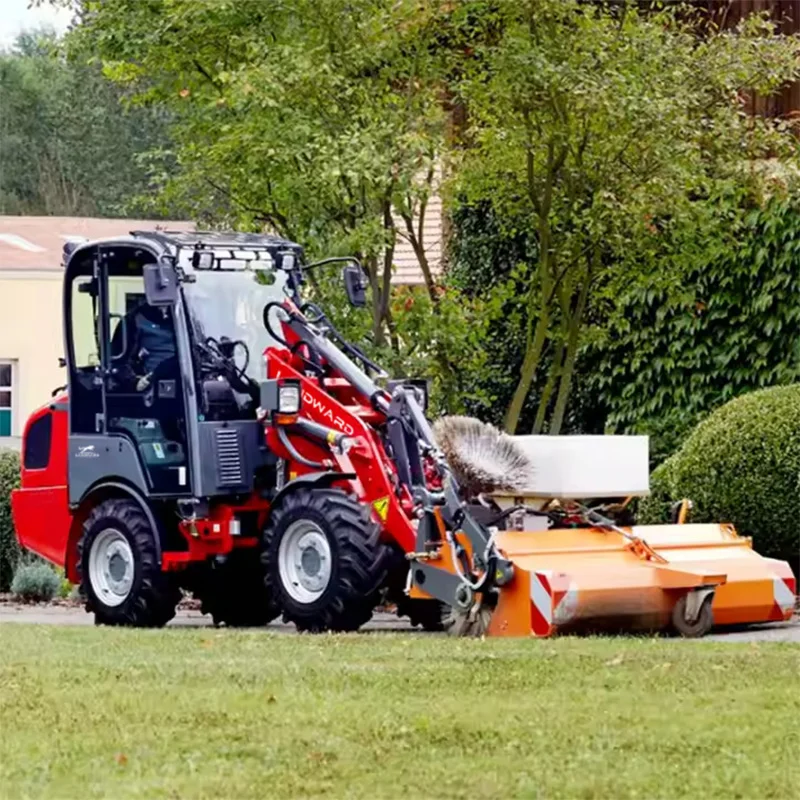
[363,384]
[268,325]
[301,459]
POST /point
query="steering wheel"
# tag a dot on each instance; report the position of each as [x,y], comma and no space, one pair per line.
[220,354]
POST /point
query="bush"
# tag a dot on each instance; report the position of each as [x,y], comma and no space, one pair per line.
[740,465]
[655,507]
[9,549]
[35,583]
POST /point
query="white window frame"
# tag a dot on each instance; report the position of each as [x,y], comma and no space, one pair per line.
[12,362]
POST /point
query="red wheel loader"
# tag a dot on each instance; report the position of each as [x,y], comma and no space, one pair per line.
[217,435]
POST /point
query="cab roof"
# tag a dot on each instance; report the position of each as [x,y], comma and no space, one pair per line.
[173,241]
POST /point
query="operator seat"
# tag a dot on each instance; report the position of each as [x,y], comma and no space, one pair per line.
[147,382]
[149,339]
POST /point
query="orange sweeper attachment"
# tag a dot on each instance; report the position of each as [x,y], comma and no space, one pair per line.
[575,566]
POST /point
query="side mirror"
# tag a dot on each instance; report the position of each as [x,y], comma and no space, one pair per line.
[160,284]
[355,285]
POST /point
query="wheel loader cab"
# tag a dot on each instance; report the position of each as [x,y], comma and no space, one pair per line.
[128,417]
[163,389]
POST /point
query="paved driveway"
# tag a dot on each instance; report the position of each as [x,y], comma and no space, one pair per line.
[65,615]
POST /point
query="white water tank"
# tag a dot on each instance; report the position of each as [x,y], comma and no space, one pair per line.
[582,467]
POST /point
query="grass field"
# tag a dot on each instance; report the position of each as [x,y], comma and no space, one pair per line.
[88,712]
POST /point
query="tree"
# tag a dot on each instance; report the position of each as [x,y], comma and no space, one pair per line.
[322,122]
[66,144]
[591,127]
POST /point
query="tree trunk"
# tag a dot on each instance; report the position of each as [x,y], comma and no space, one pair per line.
[547,392]
[388,261]
[575,325]
[532,355]
[371,264]
[533,351]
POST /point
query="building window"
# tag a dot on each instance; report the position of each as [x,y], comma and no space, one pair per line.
[6,397]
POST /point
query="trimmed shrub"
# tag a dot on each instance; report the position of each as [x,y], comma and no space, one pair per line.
[740,465]
[35,583]
[655,507]
[9,549]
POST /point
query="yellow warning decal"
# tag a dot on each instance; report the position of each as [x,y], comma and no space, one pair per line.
[381,506]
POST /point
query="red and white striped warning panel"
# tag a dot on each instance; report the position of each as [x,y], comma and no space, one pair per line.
[784,591]
[554,601]
[541,604]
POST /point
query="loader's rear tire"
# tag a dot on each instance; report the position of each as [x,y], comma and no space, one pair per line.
[701,626]
[234,594]
[121,578]
[430,615]
[324,563]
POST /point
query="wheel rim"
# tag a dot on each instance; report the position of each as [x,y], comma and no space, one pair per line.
[111,567]
[304,561]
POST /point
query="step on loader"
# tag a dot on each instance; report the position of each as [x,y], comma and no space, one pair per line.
[217,435]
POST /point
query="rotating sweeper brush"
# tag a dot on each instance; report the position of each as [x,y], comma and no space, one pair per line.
[482,458]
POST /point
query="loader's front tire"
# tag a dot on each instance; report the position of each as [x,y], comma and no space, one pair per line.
[324,563]
[120,576]
[234,594]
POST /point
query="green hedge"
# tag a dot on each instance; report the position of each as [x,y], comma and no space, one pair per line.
[9,549]
[740,465]
[669,351]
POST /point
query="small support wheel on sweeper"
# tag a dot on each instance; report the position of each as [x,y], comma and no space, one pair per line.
[324,563]
[121,578]
[692,616]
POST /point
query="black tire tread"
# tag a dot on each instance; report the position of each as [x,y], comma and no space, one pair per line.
[156,597]
[430,615]
[361,559]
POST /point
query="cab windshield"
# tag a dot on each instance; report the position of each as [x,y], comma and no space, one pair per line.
[231,304]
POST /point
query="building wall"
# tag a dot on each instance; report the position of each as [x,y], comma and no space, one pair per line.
[31,338]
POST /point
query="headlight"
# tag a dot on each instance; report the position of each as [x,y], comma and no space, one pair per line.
[289,399]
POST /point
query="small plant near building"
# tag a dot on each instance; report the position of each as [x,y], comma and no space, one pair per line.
[35,583]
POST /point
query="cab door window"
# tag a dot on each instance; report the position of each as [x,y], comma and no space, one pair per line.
[144,396]
[85,343]
[85,381]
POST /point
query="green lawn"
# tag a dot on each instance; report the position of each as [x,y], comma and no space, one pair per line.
[91,712]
